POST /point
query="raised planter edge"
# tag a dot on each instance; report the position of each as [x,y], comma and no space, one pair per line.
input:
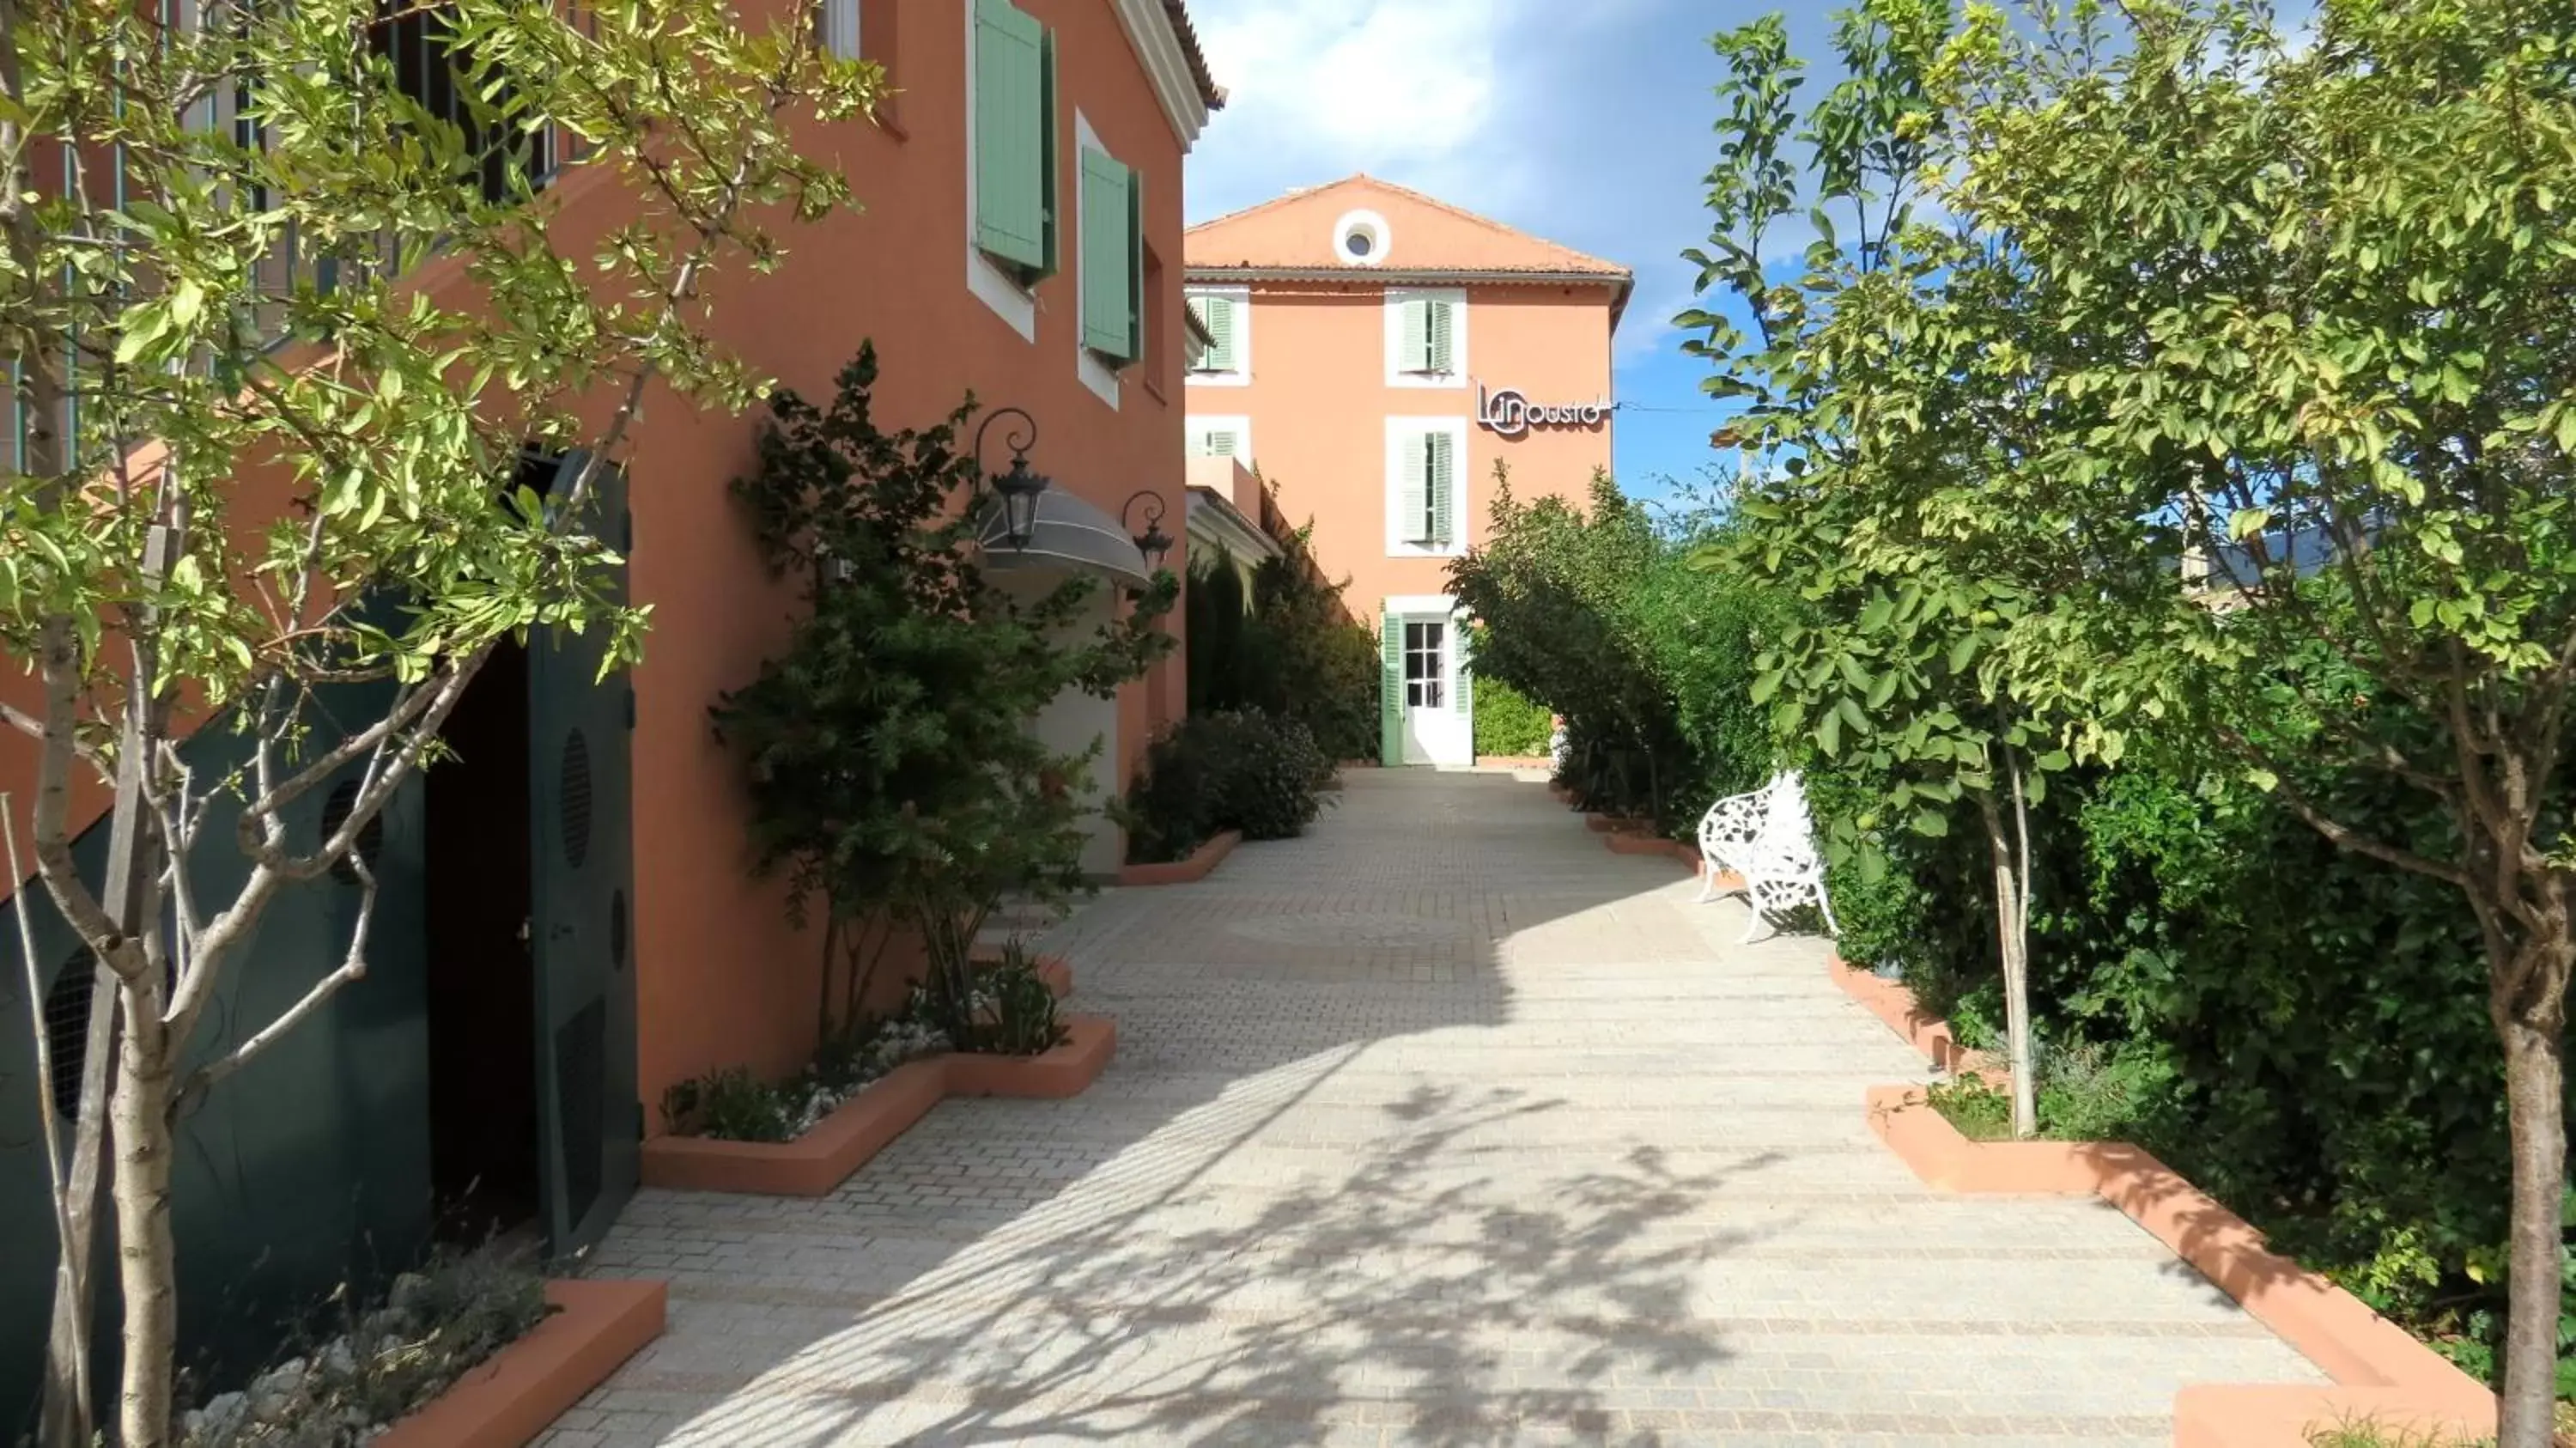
[1197,867]
[2380,1371]
[820,1160]
[1928,1034]
[507,1400]
[1067,1070]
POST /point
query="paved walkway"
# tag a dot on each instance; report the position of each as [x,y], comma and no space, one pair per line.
[1443,1125]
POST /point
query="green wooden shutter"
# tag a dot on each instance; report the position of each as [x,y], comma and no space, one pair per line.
[1012,124]
[1441,468]
[1413,491]
[1463,685]
[1415,355]
[1390,711]
[1135,263]
[1216,314]
[1048,151]
[1438,350]
[1108,257]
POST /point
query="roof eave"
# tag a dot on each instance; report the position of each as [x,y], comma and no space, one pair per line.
[1168,47]
[1221,519]
[1621,282]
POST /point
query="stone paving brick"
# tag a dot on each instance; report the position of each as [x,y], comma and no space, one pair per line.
[1443,1125]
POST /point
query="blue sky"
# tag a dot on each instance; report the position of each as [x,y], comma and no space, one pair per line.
[1587,123]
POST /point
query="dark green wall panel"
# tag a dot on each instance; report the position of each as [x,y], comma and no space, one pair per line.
[307,1169]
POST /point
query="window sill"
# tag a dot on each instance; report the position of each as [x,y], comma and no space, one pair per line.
[1219,379]
[1014,303]
[1099,376]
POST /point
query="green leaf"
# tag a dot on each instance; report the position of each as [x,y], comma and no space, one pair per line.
[1930,823]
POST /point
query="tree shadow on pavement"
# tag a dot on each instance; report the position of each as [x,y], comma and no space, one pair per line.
[1284,1216]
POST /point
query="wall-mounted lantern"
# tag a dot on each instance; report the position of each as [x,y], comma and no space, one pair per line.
[1151,541]
[1019,488]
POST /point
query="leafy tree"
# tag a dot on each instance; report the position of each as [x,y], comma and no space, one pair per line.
[186,304]
[2270,335]
[1286,646]
[1319,665]
[1901,667]
[1219,615]
[2323,355]
[892,763]
[1550,589]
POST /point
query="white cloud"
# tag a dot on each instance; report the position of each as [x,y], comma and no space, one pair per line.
[1582,121]
[1419,91]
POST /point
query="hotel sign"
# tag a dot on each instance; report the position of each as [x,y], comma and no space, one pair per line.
[1511,414]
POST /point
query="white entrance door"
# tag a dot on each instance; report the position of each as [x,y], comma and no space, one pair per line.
[1435,731]
[1077,721]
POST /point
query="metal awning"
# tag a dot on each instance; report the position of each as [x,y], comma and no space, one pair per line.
[1069,534]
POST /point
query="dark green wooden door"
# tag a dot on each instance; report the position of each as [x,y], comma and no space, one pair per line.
[580,818]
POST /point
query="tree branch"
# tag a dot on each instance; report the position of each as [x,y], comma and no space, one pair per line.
[352,967]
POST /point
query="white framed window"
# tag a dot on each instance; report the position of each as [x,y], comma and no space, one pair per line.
[1221,437]
[1426,662]
[840,21]
[1426,337]
[1224,314]
[1426,493]
[1361,238]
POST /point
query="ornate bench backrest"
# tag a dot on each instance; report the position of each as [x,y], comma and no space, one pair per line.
[1788,837]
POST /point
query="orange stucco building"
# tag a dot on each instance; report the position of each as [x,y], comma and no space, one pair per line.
[1039,270]
[1375,355]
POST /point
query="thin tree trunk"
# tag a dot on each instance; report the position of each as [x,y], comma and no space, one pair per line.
[2014,938]
[2534,1086]
[831,953]
[146,1252]
[66,1415]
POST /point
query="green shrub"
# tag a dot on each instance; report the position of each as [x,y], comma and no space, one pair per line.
[2086,1093]
[1016,1008]
[1287,646]
[1253,772]
[1977,1110]
[1271,791]
[732,1104]
[2293,1027]
[888,748]
[1598,615]
[729,1104]
[1508,722]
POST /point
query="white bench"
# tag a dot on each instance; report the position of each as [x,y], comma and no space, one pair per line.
[1768,839]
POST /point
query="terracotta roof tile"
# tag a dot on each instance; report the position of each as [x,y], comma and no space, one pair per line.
[1293,231]
[1209,90]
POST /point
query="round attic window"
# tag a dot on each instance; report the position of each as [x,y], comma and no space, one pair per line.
[1360,238]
